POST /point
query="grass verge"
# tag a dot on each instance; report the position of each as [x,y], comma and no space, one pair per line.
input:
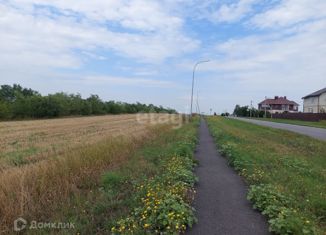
[319,124]
[285,171]
[150,193]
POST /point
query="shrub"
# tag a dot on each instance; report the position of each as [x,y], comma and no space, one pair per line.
[283,218]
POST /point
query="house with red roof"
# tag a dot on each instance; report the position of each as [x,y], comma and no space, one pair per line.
[279,104]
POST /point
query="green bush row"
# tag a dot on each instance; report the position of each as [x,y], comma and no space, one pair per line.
[17,102]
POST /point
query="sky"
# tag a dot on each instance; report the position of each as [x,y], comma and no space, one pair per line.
[145,50]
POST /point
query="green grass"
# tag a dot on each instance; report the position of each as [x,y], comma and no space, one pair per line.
[319,124]
[161,167]
[18,157]
[286,172]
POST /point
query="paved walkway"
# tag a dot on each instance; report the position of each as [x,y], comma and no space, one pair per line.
[318,133]
[221,205]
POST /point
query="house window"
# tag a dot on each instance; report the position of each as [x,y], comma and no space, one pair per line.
[310,110]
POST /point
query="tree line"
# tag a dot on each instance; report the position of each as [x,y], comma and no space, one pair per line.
[245,111]
[17,102]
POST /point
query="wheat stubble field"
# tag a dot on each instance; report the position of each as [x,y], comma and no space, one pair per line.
[23,142]
[43,163]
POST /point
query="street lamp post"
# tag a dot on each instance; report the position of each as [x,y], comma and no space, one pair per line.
[193,82]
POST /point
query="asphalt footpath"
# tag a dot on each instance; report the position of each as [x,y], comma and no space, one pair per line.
[220,203]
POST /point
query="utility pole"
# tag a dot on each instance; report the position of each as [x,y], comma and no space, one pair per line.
[250,108]
[193,82]
[265,107]
[197,105]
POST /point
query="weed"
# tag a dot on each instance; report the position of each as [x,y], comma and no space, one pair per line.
[285,171]
[164,202]
[112,180]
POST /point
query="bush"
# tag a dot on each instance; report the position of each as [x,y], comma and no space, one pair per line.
[283,218]
[5,112]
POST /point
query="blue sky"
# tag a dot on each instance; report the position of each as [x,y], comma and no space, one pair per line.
[144,50]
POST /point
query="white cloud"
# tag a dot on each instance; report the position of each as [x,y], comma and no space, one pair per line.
[126,81]
[135,14]
[234,11]
[145,72]
[286,48]
[290,12]
[222,11]
[49,33]
[289,56]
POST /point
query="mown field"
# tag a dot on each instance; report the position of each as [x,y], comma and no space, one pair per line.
[319,124]
[51,170]
[286,173]
[23,142]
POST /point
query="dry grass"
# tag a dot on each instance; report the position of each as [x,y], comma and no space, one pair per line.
[23,142]
[35,190]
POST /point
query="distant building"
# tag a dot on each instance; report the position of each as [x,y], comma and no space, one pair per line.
[278,105]
[315,102]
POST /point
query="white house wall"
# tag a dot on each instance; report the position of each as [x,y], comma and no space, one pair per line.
[322,102]
[315,104]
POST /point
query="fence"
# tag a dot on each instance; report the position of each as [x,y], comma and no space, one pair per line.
[312,117]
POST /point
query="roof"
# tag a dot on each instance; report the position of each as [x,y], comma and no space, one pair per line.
[316,93]
[279,100]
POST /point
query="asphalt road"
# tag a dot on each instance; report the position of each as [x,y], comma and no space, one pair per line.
[220,203]
[318,133]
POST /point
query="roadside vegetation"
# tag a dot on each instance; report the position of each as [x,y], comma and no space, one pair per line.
[285,171]
[319,124]
[246,111]
[17,102]
[151,193]
[38,190]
